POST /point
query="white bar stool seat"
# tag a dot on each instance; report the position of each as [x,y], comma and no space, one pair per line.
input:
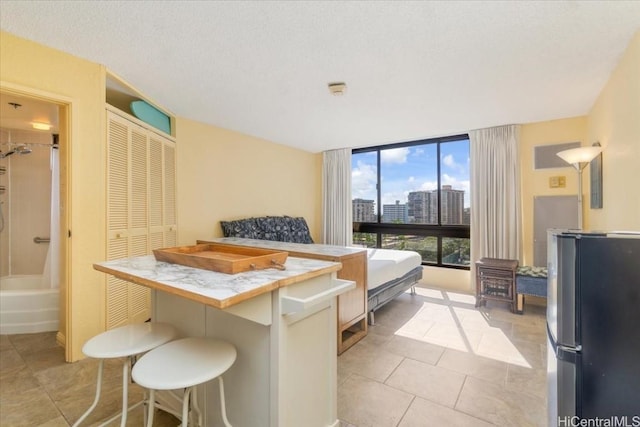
[184,364]
[126,341]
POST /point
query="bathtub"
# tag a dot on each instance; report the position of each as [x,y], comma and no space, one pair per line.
[26,306]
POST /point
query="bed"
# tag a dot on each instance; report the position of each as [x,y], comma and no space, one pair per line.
[390,272]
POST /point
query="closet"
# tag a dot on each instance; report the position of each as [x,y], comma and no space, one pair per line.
[141,207]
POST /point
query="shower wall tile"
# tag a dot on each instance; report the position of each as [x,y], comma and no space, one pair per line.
[27,207]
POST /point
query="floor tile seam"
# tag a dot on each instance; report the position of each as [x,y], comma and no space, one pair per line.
[472,375]
[384,381]
[404,414]
[543,406]
[420,396]
[424,397]
[51,399]
[364,375]
[417,360]
[455,406]
[524,341]
[428,364]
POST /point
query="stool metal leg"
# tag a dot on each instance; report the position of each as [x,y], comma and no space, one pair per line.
[126,368]
[97,398]
[223,409]
[185,407]
[150,409]
[195,408]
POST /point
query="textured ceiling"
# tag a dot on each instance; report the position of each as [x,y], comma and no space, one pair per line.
[413,69]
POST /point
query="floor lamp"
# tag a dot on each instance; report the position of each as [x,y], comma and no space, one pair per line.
[579,158]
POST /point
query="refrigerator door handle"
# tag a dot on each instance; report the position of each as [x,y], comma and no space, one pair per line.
[571,349]
[568,354]
[563,352]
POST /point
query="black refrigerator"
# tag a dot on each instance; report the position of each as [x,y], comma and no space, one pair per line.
[593,327]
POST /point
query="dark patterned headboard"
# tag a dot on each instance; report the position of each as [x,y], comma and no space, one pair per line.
[279,228]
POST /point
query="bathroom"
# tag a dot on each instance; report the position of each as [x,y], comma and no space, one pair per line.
[29,216]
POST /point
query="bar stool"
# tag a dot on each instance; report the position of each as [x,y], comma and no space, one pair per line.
[126,341]
[185,364]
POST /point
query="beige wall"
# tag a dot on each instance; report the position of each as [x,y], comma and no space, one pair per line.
[225,175]
[536,182]
[614,121]
[221,174]
[32,69]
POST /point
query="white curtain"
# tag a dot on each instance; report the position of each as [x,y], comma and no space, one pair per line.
[51,273]
[495,194]
[336,194]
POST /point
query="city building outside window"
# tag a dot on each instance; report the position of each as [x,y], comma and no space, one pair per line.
[414,196]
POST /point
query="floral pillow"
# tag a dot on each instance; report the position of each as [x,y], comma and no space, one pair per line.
[278,228]
[245,228]
[284,229]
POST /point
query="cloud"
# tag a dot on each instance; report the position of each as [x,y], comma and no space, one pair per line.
[428,186]
[450,162]
[363,181]
[394,155]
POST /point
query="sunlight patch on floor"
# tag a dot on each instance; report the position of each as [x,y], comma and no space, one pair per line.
[450,320]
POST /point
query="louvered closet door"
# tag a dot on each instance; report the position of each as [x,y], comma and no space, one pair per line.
[139,296]
[117,292]
[156,214]
[170,221]
[127,216]
[162,189]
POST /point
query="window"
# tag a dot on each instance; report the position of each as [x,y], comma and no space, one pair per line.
[414,196]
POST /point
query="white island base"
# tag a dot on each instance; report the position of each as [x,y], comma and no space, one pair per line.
[285,374]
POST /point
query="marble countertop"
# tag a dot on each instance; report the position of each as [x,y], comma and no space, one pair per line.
[331,251]
[209,287]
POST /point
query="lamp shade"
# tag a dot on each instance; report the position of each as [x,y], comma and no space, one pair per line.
[580,155]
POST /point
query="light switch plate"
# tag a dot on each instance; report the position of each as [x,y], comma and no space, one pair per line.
[558,181]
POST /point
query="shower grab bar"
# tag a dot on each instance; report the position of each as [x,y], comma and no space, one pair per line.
[41,240]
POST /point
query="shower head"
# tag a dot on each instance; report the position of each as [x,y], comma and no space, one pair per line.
[23,149]
[20,149]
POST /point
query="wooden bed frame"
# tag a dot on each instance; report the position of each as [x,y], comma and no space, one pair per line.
[377,297]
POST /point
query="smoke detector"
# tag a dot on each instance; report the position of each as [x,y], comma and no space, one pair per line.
[337,88]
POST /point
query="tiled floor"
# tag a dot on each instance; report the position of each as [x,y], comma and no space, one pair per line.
[432,359]
[38,389]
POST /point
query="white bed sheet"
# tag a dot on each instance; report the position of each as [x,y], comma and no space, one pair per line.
[384,265]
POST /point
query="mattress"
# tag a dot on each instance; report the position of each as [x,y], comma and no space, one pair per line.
[384,265]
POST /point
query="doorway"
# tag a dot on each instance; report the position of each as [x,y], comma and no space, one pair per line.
[34,136]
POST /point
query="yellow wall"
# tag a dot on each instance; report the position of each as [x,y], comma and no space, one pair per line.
[536,182]
[33,69]
[221,174]
[224,175]
[614,121]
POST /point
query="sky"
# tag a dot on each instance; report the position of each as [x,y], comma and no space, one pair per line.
[409,169]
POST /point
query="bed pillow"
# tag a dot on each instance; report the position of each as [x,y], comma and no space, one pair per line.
[245,228]
[284,229]
[299,231]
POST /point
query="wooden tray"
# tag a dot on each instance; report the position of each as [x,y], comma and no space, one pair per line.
[223,258]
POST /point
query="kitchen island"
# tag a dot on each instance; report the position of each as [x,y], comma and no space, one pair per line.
[282,323]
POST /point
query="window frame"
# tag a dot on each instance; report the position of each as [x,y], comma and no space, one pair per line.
[428,230]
